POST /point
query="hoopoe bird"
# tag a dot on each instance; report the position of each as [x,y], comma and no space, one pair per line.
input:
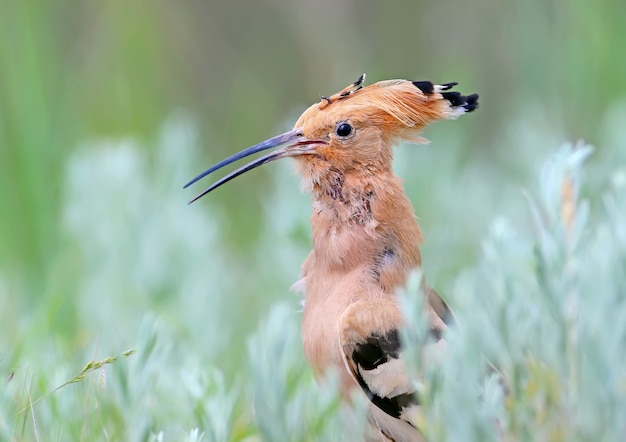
[365,236]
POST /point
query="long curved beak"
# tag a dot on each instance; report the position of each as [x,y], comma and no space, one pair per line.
[298,145]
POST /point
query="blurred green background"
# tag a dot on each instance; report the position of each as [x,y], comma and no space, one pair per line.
[108,108]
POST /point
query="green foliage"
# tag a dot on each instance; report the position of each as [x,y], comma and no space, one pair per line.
[546,309]
[288,404]
[543,305]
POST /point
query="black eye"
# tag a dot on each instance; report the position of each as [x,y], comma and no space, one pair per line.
[343,130]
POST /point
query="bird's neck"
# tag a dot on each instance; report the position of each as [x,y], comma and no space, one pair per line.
[363,218]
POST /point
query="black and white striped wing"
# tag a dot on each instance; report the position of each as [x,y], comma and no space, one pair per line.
[373,355]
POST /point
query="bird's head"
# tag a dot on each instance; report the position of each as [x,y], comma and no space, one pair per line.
[355,128]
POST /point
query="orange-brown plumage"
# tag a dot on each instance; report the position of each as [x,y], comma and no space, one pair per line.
[365,235]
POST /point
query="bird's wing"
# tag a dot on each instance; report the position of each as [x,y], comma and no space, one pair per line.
[370,343]
[438,312]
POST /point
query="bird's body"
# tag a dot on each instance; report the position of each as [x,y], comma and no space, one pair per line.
[365,236]
[364,245]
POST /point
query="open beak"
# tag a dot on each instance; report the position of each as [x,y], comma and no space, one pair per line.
[297,144]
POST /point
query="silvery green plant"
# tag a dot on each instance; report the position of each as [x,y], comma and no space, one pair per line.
[288,404]
[538,350]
